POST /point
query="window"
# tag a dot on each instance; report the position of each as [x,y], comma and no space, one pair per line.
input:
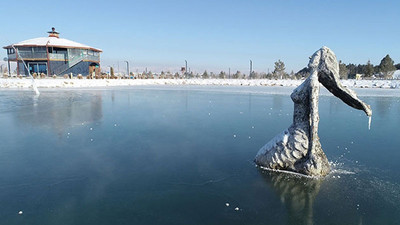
[42,68]
[25,49]
[60,50]
[37,68]
[10,51]
[74,52]
[39,49]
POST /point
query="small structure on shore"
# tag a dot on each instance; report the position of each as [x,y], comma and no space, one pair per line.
[359,76]
[297,149]
[53,55]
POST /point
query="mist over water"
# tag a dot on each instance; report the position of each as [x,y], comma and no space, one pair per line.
[184,155]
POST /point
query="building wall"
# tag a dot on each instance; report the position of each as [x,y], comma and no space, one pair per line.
[22,68]
[80,68]
[56,66]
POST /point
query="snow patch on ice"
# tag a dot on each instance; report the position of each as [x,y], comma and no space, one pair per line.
[79,83]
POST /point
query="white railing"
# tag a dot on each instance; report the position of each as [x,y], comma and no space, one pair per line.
[12,56]
[32,55]
[57,56]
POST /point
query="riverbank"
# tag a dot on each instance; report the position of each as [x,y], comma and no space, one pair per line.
[16,83]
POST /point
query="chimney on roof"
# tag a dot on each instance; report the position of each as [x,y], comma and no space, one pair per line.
[53,33]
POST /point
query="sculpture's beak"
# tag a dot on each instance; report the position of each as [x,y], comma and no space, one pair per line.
[367,109]
[332,83]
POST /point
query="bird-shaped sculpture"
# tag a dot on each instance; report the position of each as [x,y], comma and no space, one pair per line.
[297,149]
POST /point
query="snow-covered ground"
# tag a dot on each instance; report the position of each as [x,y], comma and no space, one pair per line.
[16,83]
[396,74]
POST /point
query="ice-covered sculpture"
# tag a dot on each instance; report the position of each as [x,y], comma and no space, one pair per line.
[297,148]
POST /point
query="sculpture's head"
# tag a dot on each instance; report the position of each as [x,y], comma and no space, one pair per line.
[324,60]
[324,63]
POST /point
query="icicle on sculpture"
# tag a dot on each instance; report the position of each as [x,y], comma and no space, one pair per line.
[297,148]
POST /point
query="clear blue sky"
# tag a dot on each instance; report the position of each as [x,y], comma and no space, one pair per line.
[212,34]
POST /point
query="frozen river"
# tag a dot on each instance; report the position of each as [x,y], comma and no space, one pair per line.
[184,155]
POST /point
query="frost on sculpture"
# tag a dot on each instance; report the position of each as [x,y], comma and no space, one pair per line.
[298,148]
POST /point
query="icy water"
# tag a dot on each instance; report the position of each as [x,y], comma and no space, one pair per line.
[184,155]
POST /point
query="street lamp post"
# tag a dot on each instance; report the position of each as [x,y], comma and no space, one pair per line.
[109,73]
[251,69]
[185,68]
[127,68]
[6,59]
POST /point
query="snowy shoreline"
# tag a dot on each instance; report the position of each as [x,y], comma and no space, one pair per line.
[16,83]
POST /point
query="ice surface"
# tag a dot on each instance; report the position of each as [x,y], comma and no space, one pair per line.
[151,157]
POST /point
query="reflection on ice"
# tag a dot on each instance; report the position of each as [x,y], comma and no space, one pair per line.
[60,110]
[35,99]
[297,193]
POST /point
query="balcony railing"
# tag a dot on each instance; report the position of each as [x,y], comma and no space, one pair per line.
[32,55]
[56,56]
[12,56]
[92,58]
[52,56]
